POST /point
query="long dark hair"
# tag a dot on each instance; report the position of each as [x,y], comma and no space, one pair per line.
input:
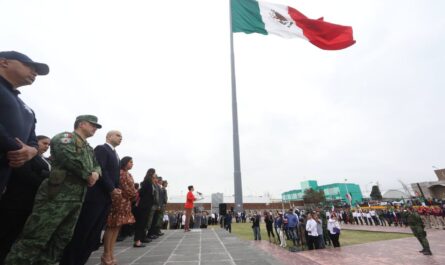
[149,175]
[124,161]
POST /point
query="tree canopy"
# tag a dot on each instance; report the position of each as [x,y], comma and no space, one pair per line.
[313,197]
[375,193]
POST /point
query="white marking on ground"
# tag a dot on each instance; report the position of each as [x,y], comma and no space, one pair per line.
[173,252]
[148,251]
[224,247]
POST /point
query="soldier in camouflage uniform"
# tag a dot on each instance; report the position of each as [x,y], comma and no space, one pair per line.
[418,228]
[59,199]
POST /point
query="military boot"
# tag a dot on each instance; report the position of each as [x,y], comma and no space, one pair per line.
[427,252]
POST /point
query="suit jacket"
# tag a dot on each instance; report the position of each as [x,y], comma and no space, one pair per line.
[109,179]
[146,195]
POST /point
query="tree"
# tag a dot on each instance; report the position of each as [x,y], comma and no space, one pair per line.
[375,193]
[313,197]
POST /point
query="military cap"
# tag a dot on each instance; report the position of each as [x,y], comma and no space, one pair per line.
[89,118]
[40,68]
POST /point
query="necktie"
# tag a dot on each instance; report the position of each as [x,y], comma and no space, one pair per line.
[117,156]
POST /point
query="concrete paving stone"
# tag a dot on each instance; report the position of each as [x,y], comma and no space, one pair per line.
[182,262]
[222,262]
[217,247]
[147,262]
[156,258]
[184,252]
[253,262]
[206,250]
[216,256]
[184,257]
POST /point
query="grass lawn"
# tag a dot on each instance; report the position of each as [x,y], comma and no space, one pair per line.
[347,237]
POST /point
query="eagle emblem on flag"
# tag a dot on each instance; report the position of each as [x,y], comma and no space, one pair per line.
[280,18]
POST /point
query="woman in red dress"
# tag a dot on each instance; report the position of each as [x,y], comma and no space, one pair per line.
[120,213]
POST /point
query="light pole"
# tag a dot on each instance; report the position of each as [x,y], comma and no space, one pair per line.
[347,193]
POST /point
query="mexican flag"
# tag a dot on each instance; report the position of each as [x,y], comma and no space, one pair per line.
[250,16]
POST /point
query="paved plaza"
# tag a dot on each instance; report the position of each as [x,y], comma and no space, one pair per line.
[211,246]
[215,246]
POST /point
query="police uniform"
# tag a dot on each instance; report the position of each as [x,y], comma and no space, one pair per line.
[58,201]
[17,120]
[418,228]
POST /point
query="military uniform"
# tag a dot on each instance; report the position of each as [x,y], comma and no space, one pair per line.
[57,204]
[418,228]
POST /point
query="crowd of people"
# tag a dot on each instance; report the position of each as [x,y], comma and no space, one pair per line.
[432,216]
[305,229]
[54,210]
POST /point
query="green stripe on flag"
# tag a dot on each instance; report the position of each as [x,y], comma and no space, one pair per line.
[246,17]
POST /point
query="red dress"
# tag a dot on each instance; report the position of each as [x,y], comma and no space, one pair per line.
[120,213]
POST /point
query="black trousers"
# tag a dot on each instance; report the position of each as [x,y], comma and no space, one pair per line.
[334,239]
[86,237]
[141,215]
[155,228]
[11,225]
[312,242]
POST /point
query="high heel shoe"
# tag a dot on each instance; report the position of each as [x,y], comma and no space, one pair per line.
[104,261]
[114,261]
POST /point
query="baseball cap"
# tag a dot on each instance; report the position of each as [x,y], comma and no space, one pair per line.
[41,68]
[89,118]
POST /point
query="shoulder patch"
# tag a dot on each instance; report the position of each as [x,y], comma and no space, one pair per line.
[66,140]
[67,135]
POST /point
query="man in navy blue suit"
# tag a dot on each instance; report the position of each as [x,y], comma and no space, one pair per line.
[97,204]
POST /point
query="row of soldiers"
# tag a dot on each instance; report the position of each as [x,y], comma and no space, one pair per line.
[432,217]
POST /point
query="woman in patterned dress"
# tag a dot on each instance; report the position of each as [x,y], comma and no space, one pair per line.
[120,213]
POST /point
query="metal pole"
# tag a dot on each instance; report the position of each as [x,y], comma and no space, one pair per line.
[347,192]
[236,152]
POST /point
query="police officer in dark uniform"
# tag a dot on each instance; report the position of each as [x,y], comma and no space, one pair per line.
[18,143]
[418,228]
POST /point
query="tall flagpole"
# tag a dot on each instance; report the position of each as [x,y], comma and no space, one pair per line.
[236,152]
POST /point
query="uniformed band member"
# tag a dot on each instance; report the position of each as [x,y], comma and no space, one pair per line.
[418,228]
[59,199]
[18,143]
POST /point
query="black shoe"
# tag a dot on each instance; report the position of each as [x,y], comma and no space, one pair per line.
[421,251]
[146,240]
[153,236]
[139,246]
[120,238]
[160,234]
[427,253]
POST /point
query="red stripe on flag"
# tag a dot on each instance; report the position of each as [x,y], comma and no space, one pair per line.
[323,34]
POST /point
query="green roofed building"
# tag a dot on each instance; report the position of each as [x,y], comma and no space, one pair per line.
[334,191]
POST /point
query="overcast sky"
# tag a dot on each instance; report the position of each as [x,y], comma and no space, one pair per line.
[159,71]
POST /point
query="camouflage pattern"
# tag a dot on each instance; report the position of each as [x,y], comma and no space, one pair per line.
[418,228]
[324,225]
[57,204]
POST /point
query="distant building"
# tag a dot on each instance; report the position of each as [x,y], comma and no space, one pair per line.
[395,195]
[217,198]
[431,189]
[334,191]
[211,203]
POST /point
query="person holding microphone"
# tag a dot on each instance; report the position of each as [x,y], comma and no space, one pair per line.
[189,206]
